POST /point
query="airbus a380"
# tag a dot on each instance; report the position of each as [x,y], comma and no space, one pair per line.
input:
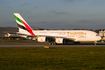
[55,36]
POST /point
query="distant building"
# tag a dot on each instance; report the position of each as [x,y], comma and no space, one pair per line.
[102,33]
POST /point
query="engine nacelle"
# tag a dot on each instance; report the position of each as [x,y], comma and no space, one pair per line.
[59,40]
[41,39]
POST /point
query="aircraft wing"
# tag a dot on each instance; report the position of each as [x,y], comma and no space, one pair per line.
[48,37]
[52,37]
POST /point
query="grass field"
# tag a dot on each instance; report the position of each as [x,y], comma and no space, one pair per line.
[54,58]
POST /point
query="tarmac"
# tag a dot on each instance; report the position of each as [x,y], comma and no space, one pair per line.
[52,45]
[46,44]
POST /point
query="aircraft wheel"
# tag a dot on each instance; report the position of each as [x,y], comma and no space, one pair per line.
[51,43]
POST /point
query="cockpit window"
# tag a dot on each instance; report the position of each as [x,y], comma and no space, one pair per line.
[97,35]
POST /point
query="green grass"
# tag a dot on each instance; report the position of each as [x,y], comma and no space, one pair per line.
[54,58]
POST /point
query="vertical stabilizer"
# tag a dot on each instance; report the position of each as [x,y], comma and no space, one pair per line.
[22,24]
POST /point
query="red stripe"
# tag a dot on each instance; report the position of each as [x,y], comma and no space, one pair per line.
[29,29]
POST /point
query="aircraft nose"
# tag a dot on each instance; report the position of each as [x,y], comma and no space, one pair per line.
[99,38]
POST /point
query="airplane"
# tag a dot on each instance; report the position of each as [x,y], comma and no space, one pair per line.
[55,36]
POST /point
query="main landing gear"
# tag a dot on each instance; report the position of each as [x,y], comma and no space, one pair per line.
[55,44]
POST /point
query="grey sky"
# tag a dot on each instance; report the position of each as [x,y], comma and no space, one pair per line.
[55,14]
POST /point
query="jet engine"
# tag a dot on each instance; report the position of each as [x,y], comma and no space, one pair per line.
[59,40]
[41,39]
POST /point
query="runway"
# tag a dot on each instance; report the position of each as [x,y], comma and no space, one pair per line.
[52,45]
[5,44]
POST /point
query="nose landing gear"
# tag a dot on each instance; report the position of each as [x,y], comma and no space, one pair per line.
[95,42]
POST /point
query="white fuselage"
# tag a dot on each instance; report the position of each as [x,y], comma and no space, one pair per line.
[77,35]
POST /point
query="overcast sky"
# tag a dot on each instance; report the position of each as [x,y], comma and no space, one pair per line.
[55,14]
